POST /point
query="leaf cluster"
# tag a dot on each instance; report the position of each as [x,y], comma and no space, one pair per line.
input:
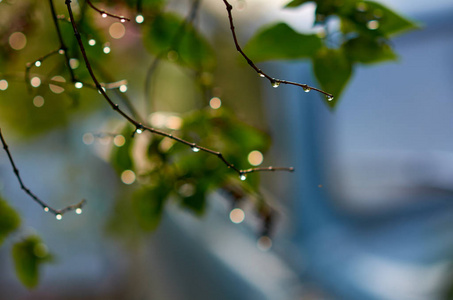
[363,37]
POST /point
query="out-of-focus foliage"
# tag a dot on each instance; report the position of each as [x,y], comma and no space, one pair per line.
[9,220]
[174,172]
[362,37]
[28,255]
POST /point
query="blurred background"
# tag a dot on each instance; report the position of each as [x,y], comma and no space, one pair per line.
[367,214]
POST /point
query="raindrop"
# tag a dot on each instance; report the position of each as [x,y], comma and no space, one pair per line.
[139,130]
[139,19]
[88,138]
[119,140]
[275,84]
[104,15]
[46,209]
[74,63]
[123,88]
[243,177]
[306,89]
[372,25]
[122,20]
[92,42]
[264,243]
[78,85]
[61,51]
[128,177]
[58,216]
[3,84]
[38,101]
[106,49]
[215,103]
[35,82]
[38,63]
[261,74]
[237,216]
[78,210]
[17,40]
[329,97]
[195,149]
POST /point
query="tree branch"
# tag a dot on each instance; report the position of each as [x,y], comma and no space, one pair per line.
[274,81]
[57,212]
[106,14]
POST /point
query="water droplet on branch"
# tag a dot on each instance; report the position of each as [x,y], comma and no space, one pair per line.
[275,84]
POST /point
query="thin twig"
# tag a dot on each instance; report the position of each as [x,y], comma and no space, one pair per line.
[63,49]
[106,14]
[57,212]
[274,81]
[139,127]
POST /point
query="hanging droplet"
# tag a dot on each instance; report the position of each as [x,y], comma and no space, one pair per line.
[329,97]
[3,85]
[78,85]
[92,42]
[261,74]
[237,216]
[46,209]
[275,84]
[78,210]
[139,130]
[195,149]
[104,15]
[58,216]
[37,63]
[243,177]
[264,243]
[122,20]
[139,19]
[306,89]
[123,88]
[372,25]
[106,49]
[61,51]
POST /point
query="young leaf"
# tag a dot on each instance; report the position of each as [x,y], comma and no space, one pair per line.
[28,255]
[9,220]
[333,70]
[280,41]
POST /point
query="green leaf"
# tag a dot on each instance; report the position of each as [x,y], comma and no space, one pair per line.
[121,157]
[9,220]
[367,50]
[167,32]
[375,19]
[28,255]
[333,70]
[280,41]
[149,203]
[296,3]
